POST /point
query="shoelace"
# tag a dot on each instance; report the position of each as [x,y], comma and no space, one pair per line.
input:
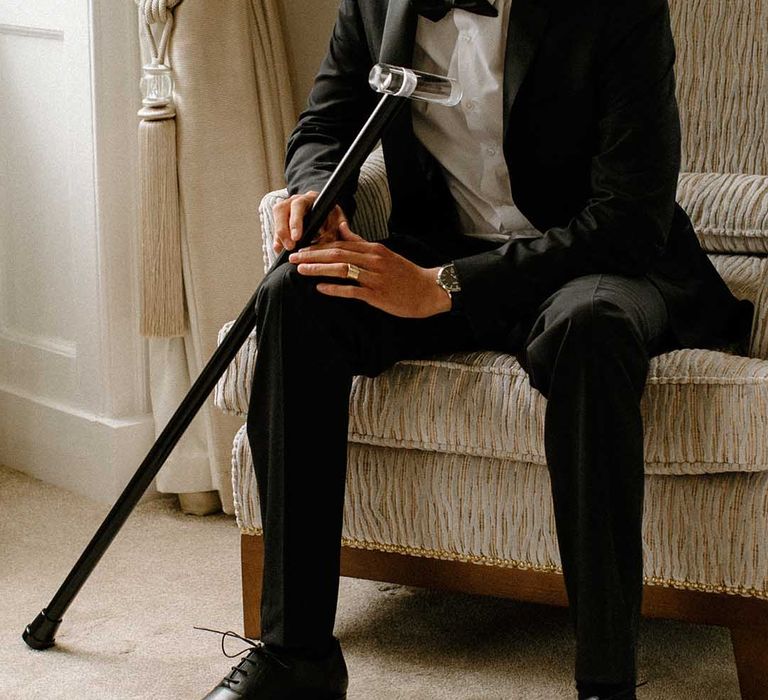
[254,645]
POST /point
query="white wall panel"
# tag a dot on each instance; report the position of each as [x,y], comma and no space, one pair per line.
[37,342]
[73,394]
[36,255]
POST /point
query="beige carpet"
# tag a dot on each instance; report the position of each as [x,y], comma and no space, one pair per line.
[129,634]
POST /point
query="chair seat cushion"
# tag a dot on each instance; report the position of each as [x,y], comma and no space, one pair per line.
[704,411]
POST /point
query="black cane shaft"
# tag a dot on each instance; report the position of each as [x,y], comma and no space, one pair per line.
[382,115]
[147,471]
[40,633]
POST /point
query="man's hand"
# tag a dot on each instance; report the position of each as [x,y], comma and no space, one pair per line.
[387,280]
[289,221]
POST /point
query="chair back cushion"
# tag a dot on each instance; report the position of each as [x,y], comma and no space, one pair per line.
[722,89]
[722,84]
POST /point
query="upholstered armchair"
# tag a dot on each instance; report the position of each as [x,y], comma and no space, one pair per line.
[447,483]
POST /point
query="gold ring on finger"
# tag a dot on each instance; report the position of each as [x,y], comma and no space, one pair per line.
[353,271]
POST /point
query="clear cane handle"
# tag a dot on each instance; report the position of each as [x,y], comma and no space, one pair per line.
[406,82]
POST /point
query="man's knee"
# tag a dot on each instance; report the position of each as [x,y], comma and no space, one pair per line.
[284,288]
[283,281]
[579,326]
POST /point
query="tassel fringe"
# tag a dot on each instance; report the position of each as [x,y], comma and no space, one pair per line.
[163,311]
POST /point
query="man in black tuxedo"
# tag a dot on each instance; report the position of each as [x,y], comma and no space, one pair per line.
[604,272]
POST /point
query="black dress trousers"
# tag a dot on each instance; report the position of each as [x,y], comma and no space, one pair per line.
[586,349]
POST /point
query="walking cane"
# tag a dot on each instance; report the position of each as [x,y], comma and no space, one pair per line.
[397,84]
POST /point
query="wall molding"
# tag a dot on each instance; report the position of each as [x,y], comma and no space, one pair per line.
[57,346]
[36,32]
[94,456]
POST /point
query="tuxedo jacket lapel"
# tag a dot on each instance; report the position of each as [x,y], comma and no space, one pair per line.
[399,34]
[527,20]
[397,45]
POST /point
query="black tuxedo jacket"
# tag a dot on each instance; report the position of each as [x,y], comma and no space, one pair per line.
[591,140]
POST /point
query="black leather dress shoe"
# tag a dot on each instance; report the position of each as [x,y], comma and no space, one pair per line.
[268,674]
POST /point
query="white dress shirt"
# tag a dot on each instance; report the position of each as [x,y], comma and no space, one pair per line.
[467,140]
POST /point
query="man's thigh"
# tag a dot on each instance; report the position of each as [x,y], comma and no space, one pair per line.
[372,340]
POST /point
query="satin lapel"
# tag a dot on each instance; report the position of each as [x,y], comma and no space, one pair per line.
[399,34]
[527,19]
[397,43]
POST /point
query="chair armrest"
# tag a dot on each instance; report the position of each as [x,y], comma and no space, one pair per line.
[370,219]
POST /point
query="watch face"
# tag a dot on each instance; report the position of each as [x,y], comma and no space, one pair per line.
[448,280]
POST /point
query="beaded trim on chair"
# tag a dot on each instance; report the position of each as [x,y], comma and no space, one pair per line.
[526,566]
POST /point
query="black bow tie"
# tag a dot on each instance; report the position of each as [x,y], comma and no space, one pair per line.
[437,9]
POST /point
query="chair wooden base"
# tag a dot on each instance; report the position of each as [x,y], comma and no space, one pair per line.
[747,618]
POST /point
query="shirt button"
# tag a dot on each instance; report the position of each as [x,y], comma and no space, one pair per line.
[470,105]
[490,151]
[466,36]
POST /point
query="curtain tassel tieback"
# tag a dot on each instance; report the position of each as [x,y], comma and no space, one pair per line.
[163,310]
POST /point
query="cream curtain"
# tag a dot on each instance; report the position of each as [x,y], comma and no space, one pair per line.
[234,113]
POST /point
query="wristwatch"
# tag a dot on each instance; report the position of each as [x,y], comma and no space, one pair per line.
[446,278]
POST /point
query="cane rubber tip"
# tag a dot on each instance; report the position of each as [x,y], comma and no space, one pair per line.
[41,632]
